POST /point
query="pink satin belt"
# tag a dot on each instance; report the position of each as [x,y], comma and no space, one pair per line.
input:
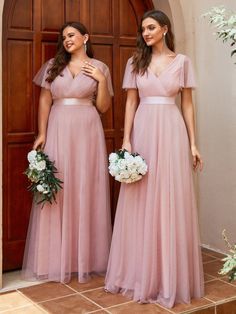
[157,100]
[73,101]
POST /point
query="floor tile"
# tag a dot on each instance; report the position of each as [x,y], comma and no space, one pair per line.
[12,280]
[195,303]
[11,300]
[208,277]
[210,310]
[213,268]
[46,291]
[74,304]
[207,258]
[218,290]
[227,308]
[32,309]
[226,279]
[105,299]
[99,312]
[213,253]
[95,282]
[137,308]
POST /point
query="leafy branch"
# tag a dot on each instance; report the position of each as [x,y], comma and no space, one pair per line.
[225,23]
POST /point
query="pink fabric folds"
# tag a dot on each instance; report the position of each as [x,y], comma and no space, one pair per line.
[155,253]
[72,236]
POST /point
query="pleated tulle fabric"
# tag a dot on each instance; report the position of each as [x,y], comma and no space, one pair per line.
[155,253]
[72,236]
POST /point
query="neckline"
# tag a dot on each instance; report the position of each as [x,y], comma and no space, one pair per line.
[166,68]
[77,74]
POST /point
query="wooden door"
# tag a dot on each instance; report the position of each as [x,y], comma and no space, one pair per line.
[30,30]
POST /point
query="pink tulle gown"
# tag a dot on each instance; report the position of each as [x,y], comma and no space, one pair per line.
[155,253]
[73,235]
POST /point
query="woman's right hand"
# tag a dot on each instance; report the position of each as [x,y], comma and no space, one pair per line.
[39,143]
[127,146]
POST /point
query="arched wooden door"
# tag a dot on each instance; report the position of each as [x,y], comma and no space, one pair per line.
[30,29]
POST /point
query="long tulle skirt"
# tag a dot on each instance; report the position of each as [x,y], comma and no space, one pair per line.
[155,254]
[72,236]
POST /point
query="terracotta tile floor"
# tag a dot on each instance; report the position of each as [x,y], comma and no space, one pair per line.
[74,298]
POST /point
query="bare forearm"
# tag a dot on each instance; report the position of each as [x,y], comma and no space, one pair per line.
[130,109]
[189,118]
[45,102]
[103,100]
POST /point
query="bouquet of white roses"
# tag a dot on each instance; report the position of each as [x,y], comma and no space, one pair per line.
[126,167]
[41,173]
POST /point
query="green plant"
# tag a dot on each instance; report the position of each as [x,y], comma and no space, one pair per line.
[229,266]
[225,23]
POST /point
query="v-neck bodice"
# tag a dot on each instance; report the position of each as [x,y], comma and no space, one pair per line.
[165,69]
[67,86]
[176,75]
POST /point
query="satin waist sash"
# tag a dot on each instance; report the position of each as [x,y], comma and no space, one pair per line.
[73,101]
[157,100]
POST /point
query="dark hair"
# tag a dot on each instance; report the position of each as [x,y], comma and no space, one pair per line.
[63,57]
[143,54]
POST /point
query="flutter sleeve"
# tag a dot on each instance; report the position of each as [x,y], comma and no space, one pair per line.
[187,79]
[129,80]
[107,74]
[40,77]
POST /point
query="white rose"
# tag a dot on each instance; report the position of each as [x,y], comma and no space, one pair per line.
[127,155]
[121,164]
[113,157]
[113,170]
[41,165]
[138,158]
[143,169]
[125,174]
[32,156]
[40,188]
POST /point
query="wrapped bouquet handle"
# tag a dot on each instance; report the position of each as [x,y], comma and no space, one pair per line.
[127,167]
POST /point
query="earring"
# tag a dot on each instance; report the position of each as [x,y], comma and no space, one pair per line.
[85,46]
[164,34]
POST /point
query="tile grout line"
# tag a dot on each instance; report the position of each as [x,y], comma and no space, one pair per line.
[217,257]
[201,307]
[61,297]
[93,289]
[22,307]
[164,308]
[90,300]
[229,283]
[225,300]
[116,305]
[208,262]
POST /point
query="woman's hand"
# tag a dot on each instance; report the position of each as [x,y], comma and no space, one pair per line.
[39,143]
[197,160]
[127,146]
[91,70]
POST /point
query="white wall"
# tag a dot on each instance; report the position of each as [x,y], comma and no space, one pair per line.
[216,115]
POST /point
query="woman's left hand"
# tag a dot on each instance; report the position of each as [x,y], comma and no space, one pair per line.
[197,160]
[91,70]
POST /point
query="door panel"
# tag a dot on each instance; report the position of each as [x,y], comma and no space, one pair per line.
[30,30]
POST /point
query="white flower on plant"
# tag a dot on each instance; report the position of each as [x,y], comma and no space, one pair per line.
[32,156]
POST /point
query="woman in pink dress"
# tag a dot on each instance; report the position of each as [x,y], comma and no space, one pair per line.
[72,236]
[155,254]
